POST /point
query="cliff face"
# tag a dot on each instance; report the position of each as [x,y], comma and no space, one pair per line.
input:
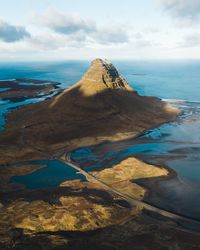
[101,106]
[103,72]
[101,76]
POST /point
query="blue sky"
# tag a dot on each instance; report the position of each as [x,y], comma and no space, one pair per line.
[129,29]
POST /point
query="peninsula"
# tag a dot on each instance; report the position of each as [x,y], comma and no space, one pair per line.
[101,211]
[101,106]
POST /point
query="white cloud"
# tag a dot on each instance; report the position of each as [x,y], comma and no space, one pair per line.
[48,41]
[60,34]
[113,35]
[140,39]
[191,41]
[64,23]
[79,31]
[186,10]
[10,33]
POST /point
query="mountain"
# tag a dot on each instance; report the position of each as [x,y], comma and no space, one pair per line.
[101,106]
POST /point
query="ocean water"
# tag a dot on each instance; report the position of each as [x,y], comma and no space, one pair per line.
[165,79]
[176,144]
[67,73]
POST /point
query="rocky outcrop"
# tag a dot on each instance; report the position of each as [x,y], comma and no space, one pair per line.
[102,71]
[101,76]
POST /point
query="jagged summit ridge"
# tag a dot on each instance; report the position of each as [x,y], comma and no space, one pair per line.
[100,77]
[103,71]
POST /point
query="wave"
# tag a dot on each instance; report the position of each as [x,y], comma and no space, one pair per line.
[5,80]
[180,101]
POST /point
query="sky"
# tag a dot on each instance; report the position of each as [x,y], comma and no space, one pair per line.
[85,29]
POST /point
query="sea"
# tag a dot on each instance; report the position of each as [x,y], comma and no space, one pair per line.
[175,145]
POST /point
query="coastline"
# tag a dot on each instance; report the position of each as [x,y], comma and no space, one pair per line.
[96,141]
[155,180]
[118,137]
[152,184]
[50,129]
[57,149]
[125,214]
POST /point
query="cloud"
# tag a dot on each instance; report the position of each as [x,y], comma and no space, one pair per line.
[53,41]
[192,40]
[79,31]
[183,9]
[139,40]
[151,30]
[56,30]
[10,33]
[63,23]
[113,35]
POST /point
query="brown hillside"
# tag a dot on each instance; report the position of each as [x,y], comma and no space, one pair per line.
[100,106]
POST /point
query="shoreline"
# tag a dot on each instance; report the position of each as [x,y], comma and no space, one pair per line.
[154,182]
[171,174]
[146,206]
[119,137]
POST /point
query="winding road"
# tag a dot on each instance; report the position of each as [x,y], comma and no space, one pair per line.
[185,222]
[181,220]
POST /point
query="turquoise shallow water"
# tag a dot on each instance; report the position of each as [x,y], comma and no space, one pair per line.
[176,144]
[52,175]
[165,79]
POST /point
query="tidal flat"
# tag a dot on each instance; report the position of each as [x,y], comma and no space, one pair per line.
[171,146]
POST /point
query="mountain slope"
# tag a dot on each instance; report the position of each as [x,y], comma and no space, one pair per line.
[101,106]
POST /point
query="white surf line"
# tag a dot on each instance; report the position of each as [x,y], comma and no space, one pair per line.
[179,101]
[8,80]
[174,216]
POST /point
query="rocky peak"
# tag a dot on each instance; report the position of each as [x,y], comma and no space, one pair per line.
[100,77]
[103,71]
